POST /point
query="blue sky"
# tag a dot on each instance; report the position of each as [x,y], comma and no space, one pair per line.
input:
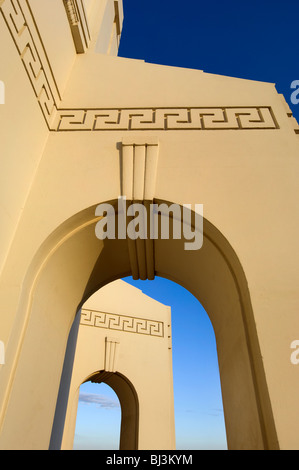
[256,40]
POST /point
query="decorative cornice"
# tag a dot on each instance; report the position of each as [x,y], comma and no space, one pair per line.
[20,22]
[79,27]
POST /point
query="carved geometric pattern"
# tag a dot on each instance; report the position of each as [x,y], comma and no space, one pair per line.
[41,79]
[124,323]
[21,24]
[140,119]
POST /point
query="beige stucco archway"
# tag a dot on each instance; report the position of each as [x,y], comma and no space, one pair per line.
[73,264]
[92,127]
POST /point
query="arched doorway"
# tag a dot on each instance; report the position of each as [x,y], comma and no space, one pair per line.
[98,418]
[124,396]
[73,264]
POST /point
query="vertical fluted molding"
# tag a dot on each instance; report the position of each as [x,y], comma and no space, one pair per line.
[111,349]
[138,181]
[127,171]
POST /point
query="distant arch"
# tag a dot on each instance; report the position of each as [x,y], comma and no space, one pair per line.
[129,404]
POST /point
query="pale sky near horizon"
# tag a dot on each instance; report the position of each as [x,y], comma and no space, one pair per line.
[256,40]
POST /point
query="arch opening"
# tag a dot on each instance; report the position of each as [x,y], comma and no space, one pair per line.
[123,401]
[98,418]
[198,407]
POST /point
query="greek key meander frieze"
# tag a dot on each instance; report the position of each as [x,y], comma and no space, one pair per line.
[124,323]
[21,24]
[17,16]
[165,119]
